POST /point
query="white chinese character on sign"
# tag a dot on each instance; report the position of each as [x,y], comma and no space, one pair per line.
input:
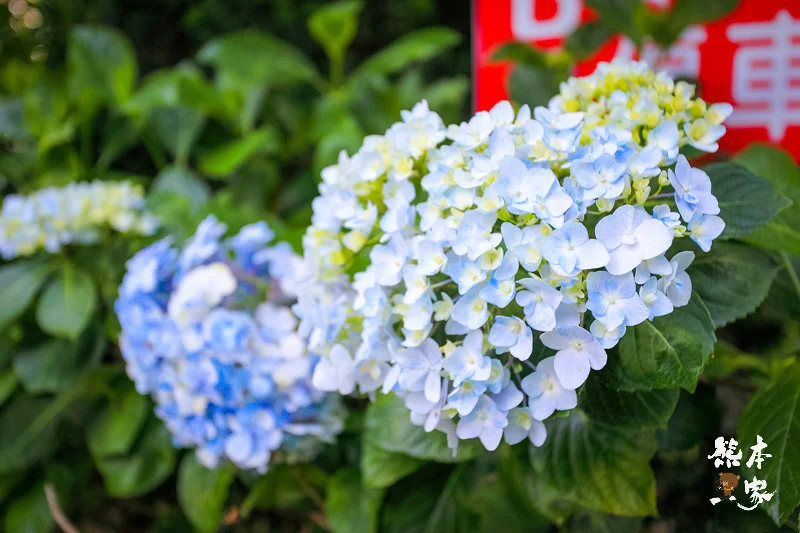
[766,74]
[756,490]
[526,27]
[725,452]
[681,60]
[758,456]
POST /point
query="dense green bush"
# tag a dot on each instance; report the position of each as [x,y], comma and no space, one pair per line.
[233,109]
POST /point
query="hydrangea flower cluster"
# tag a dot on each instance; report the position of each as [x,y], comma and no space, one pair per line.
[487,238]
[75,214]
[208,332]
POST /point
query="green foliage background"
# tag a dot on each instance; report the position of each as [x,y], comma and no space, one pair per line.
[233,108]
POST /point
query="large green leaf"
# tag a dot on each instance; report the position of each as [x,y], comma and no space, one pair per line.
[178,129]
[114,430]
[181,86]
[185,183]
[689,424]
[55,365]
[149,463]
[226,158]
[665,30]
[746,201]
[670,351]
[381,468]
[774,414]
[258,58]
[587,40]
[532,85]
[202,492]
[599,466]
[623,16]
[16,419]
[389,427]
[732,279]
[102,64]
[414,47]
[639,410]
[778,167]
[19,283]
[351,507]
[8,383]
[29,513]
[67,303]
[334,26]
[283,487]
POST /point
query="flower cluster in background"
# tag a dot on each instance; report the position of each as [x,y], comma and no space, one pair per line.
[445,256]
[75,214]
[208,332]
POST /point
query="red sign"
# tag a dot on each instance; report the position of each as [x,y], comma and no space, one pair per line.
[750,58]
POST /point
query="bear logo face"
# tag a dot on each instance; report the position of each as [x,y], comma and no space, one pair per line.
[728,482]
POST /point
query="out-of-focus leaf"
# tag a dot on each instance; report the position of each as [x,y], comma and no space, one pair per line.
[115,428]
[622,16]
[12,125]
[670,351]
[774,415]
[532,85]
[599,466]
[258,58]
[55,365]
[184,182]
[417,46]
[389,427]
[29,513]
[202,492]
[587,40]
[777,166]
[334,26]
[8,383]
[351,507]
[733,279]
[178,129]
[280,487]
[521,54]
[226,158]
[382,469]
[19,283]
[149,463]
[16,419]
[689,424]
[746,201]
[640,410]
[182,86]
[102,64]
[666,30]
[67,303]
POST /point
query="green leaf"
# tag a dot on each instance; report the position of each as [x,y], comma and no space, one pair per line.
[181,86]
[29,513]
[599,466]
[67,303]
[774,414]
[352,507]
[178,129]
[389,427]
[732,279]
[414,47]
[746,201]
[777,166]
[687,12]
[114,430]
[147,466]
[55,365]
[587,40]
[602,523]
[12,125]
[8,384]
[637,410]
[670,351]
[532,85]
[258,59]
[102,64]
[16,419]
[280,487]
[226,158]
[689,424]
[19,283]
[333,26]
[202,492]
[622,16]
[381,468]
[185,183]
[520,53]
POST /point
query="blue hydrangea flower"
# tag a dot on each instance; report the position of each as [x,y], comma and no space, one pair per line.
[692,190]
[231,377]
